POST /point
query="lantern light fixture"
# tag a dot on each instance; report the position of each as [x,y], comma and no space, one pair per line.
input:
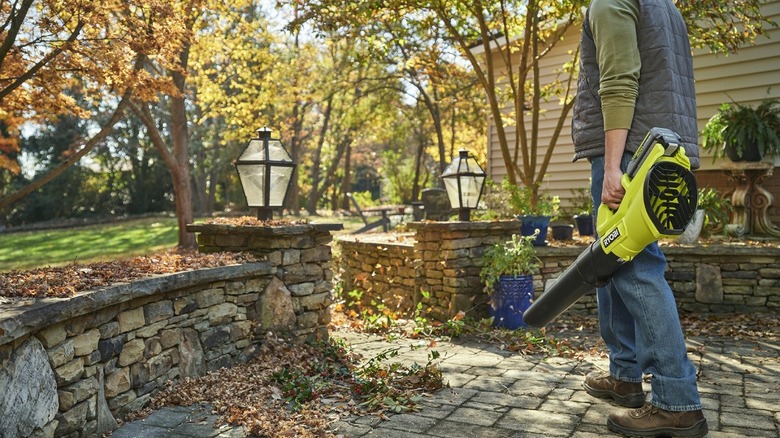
[265,170]
[464,180]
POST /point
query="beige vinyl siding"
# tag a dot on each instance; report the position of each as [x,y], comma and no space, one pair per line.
[744,77]
[562,174]
[747,77]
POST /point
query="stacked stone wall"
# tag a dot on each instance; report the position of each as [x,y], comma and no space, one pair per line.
[300,255]
[450,258]
[438,265]
[725,278]
[70,367]
[385,270]
[447,258]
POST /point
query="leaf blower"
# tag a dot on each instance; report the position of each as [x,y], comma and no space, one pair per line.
[660,199]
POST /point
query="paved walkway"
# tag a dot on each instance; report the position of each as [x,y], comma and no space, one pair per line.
[495,393]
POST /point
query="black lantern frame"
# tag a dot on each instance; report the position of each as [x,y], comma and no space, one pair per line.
[263,166]
[462,178]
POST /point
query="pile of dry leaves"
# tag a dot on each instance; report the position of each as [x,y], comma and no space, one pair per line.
[301,390]
[249,221]
[64,281]
[737,326]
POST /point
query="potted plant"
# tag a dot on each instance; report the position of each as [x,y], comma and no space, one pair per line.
[534,214]
[507,271]
[562,229]
[744,133]
[582,204]
[711,216]
[716,211]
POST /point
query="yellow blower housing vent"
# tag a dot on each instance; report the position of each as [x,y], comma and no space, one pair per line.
[670,197]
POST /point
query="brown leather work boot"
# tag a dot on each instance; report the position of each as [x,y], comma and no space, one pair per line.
[628,394]
[652,421]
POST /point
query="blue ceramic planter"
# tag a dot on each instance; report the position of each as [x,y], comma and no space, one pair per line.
[511,297]
[529,225]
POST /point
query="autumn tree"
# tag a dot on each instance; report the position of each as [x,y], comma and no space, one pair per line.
[100,49]
[417,61]
[522,34]
[514,38]
[232,91]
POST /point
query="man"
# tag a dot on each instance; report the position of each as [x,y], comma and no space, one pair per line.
[636,73]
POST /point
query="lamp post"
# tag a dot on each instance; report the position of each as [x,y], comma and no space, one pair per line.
[464,180]
[265,169]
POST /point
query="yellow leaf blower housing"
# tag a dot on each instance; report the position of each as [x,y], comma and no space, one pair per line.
[660,199]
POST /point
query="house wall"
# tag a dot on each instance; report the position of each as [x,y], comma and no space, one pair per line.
[562,173]
[744,77]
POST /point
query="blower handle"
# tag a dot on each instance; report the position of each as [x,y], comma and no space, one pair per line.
[665,137]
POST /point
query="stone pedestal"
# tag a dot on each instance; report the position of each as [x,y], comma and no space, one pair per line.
[300,258]
[749,199]
[450,261]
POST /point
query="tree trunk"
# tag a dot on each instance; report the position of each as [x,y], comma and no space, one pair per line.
[213,179]
[416,189]
[178,159]
[181,152]
[347,181]
[199,182]
[314,195]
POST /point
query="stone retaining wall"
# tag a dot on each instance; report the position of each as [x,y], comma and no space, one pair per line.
[383,269]
[444,259]
[69,367]
[725,278]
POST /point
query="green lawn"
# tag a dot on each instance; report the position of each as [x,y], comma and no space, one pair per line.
[105,242]
[92,243]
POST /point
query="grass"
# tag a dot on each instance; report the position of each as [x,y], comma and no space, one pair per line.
[104,242]
[94,243]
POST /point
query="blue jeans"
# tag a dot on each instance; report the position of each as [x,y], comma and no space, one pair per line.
[639,323]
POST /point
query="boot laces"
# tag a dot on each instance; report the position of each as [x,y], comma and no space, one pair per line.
[646,410]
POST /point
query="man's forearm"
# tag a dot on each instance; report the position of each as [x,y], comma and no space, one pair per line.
[612,190]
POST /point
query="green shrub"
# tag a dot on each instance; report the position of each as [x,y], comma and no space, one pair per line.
[716,210]
[522,203]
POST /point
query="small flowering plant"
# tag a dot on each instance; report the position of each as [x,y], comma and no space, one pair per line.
[513,257]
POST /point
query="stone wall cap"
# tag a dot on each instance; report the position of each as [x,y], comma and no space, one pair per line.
[698,249]
[264,230]
[19,318]
[397,239]
[716,249]
[466,226]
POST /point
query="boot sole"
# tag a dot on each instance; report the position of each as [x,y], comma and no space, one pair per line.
[628,401]
[698,430]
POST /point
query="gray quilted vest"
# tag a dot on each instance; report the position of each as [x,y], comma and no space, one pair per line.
[667,97]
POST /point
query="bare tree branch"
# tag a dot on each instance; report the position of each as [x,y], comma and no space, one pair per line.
[42,62]
[62,167]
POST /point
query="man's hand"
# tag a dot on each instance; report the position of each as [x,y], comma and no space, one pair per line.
[612,191]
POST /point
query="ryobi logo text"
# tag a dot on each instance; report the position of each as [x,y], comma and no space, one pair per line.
[611,237]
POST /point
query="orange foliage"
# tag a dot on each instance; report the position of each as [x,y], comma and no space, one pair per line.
[66,45]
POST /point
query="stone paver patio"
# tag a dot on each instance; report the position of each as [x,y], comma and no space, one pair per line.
[497,393]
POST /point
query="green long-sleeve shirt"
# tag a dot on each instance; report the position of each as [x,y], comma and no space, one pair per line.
[613,24]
